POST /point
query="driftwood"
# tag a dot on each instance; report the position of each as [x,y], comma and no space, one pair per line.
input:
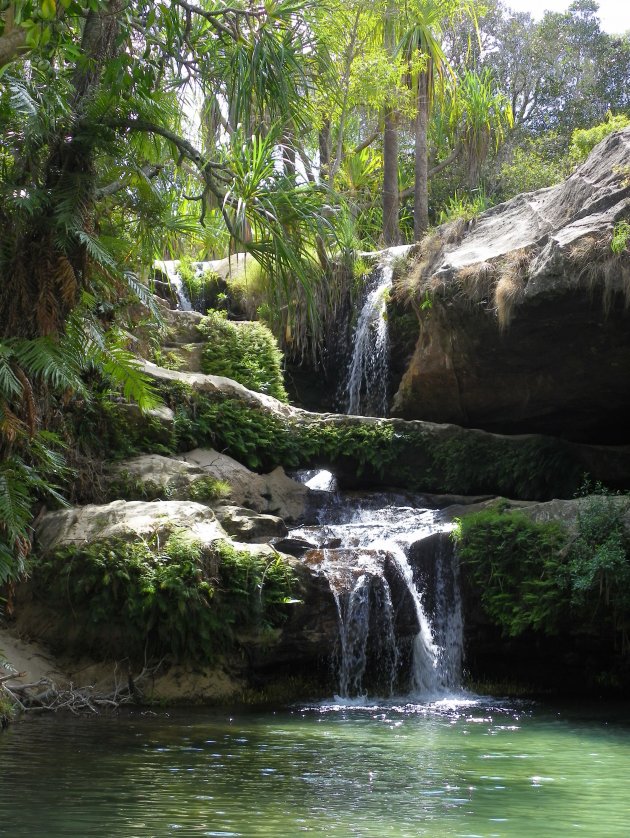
[46,695]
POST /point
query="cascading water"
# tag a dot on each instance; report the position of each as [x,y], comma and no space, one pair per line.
[170,270]
[363,547]
[366,382]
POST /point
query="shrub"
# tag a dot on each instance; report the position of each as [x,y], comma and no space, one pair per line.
[584,140]
[246,352]
[513,563]
[169,594]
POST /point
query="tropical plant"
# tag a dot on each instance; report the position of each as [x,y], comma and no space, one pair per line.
[246,352]
[94,157]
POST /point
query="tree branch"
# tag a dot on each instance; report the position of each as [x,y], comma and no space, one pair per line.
[367,142]
[149,172]
[214,17]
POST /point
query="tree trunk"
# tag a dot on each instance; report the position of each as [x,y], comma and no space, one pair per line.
[324,151]
[391,229]
[48,267]
[288,151]
[421,186]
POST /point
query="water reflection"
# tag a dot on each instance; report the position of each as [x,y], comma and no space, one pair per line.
[458,767]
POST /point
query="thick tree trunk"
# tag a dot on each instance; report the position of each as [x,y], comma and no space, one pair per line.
[391,228]
[421,186]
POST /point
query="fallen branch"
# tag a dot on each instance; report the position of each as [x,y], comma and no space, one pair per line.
[45,695]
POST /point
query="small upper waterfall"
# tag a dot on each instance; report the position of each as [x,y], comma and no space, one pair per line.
[170,269]
[367,376]
[390,638]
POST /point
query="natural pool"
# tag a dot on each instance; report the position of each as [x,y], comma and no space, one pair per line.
[472,767]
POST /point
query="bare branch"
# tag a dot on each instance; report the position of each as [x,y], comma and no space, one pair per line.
[148,171]
[367,141]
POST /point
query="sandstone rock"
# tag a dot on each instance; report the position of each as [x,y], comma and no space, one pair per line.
[529,327]
[166,476]
[272,494]
[127,520]
[249,526]
[182,327]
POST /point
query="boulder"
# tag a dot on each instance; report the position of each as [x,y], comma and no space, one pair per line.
[299,645]
[152,474]
[247,525]
[271,494]
[528,327]
[120,519]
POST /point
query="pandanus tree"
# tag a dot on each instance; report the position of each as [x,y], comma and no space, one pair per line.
[482,115]
[93,158]
[428,69]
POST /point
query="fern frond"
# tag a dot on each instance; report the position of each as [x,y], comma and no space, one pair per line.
[139,290]
[10,386]
[45,358]
[15,499]
[95,250]
[123,368]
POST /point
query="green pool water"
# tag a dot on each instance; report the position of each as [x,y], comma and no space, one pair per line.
[455,768]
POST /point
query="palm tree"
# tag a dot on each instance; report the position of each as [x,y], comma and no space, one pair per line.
[391,201]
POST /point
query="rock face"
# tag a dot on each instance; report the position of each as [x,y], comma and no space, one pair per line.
[424,456]
[529,324]
[299,647]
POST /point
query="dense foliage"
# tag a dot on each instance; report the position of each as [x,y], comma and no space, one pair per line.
[165,595]
[246,352]
[546,577]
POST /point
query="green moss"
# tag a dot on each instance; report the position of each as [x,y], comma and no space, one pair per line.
[167,595]
[246,352]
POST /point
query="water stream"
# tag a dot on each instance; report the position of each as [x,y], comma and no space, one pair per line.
[367,376]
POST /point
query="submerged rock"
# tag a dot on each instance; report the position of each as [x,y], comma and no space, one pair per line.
[528,328]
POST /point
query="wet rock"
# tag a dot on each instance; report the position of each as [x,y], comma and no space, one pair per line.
[294,546]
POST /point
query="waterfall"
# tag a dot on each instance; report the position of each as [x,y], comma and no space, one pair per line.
[367,376]
[365,548]
[169,269]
